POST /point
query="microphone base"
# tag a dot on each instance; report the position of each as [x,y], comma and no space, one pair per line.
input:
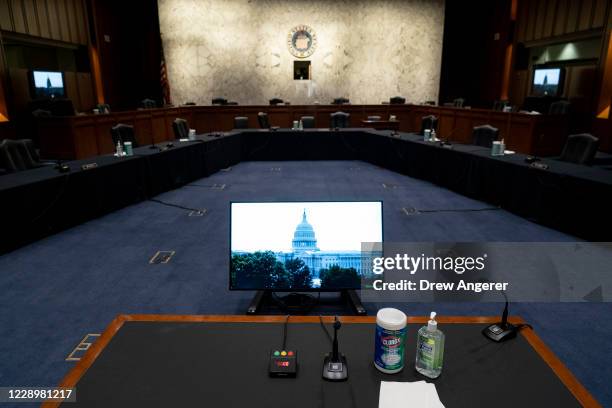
[335,370]
[498,332]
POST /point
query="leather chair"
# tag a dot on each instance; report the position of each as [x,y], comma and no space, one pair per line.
[262,119]
[123,133]
[148,104]
[18,155]
[41,113]
[428,122]
[500,105]
[276,101]
[308,122]
[559,108]
[458,103]
[340,101]
[339,120]
[103,108]
[580,149]
[374,118]
[397,100]
[219,101]
[484,135]
[180,128]
[241,122]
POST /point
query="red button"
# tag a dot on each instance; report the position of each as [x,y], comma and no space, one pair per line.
[290,353]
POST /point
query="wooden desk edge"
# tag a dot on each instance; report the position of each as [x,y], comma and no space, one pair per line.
[581,394]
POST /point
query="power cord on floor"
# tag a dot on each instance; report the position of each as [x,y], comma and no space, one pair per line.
[155,200]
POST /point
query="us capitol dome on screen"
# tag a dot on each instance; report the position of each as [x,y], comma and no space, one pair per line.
[304,247]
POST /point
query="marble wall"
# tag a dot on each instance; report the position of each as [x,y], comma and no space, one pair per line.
[368,50]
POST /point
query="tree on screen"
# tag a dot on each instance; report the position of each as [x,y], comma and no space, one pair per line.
[298,273]
[258,270]
[338,277]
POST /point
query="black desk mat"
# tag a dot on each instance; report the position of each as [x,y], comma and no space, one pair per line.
[225,365]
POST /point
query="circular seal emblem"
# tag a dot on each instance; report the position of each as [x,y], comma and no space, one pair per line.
[302,41]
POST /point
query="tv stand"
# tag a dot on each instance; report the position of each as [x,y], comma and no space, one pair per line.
[354,301]
[257,300]
[300,303]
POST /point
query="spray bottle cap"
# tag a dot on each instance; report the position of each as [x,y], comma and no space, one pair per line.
[432,324]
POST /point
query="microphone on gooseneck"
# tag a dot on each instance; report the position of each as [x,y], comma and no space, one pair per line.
[337,326]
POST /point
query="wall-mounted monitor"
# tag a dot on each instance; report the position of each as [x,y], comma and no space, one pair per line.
[547,81]
[47,84]
[302,246]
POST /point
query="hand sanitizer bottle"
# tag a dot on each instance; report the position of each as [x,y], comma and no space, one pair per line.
[119,149]
[430,349]
[433,135]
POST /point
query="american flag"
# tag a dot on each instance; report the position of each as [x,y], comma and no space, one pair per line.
[163,77]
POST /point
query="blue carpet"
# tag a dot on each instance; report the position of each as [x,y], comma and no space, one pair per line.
[58,289]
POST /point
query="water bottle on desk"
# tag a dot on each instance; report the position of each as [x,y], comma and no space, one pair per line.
[427,135]
[192,134]
[433,135]
[119,149]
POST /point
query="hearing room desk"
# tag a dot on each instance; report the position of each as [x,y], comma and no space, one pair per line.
[221,361]
[568,197]
[77,137]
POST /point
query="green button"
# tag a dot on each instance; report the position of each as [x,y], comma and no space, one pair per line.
[276,353]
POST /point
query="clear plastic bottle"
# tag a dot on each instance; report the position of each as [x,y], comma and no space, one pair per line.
[430,349]
[119,149]
[433,137]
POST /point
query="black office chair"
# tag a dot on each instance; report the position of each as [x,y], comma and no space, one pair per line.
[374,118]
[18,155]
[397,100]
[340,101]
[241,122]
[180,128]
[308,122]
[339,120]
[580,149]
[148,104]
[559,108]
[219,101]
[484,135]
[41,113]
[500,105]
[263,120]
[458,103]
[103,108]
[276,101]
[429,122]
[123,133]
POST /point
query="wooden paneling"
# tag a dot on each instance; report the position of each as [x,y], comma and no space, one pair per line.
[532,134]
[64,20]
[86,92]
[541,20]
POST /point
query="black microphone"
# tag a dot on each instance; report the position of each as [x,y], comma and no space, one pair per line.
[334,364]
[503,330]
[337,326]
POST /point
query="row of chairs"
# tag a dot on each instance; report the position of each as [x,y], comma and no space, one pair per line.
[580,148]
[19,155]
[337,120]
[395,100]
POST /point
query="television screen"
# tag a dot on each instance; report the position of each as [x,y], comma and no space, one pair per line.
[48,84]
[302,246]
[546,81]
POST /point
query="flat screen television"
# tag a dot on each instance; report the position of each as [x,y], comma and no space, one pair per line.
[547,81]
[302,246]
[47,84]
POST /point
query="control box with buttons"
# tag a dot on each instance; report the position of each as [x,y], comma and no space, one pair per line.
[283,363]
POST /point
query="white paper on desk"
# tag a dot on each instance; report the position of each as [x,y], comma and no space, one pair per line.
[408,394]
